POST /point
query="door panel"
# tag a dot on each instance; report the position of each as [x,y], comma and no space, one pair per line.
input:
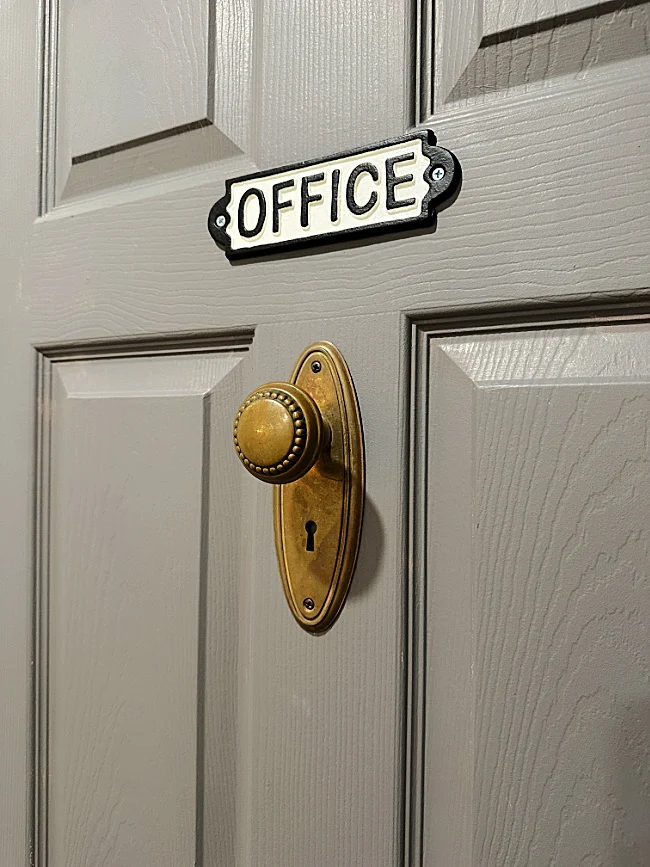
[138,622]
[156,53]
[538,598]
[135,93]
[143,94]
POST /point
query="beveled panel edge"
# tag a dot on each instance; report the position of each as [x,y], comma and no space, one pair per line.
[420,330]
[426,106]
[237,341]
[426,102]
[228,124]
[222,340]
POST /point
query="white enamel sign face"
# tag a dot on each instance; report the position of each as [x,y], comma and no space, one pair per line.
[382,188]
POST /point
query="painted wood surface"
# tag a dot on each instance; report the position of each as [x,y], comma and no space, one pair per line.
[144,72]
[330,74]
[553,210]
[573,48]
[519,233]
[458,31]
[141,719]
[539,652]
[502,15]
[163,56]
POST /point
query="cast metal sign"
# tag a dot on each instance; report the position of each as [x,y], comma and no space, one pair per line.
[389,186]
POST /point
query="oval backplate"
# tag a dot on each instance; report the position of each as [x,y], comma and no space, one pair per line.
[318,517]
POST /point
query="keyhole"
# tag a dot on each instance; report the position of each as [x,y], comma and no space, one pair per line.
[311,528]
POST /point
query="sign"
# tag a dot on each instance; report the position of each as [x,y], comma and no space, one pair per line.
[389,186]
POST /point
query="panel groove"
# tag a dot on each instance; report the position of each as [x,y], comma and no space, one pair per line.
[431,29]
[202,638]
[49,88]
[529,317]
[423,13]
[415,635]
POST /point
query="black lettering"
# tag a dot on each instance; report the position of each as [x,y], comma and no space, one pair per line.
[334,207]
[392,181]
[349,191]
[259,195]
[306,199]
[277,204]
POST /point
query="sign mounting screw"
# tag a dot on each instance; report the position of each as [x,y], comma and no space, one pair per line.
[220,221]
[438,173]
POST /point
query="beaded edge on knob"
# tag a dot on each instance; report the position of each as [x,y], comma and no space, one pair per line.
[299,428]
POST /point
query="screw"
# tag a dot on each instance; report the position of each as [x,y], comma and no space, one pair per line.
[316,366]
[308,604]
[438,173]
[220,221]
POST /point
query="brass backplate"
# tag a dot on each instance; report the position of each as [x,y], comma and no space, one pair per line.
[318,517]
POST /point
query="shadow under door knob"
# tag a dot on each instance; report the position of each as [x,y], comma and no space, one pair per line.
[278,432]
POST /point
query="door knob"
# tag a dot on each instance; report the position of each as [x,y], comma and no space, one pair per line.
[305,438]
[278,432]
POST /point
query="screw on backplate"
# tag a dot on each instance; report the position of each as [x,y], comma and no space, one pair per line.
[220,221]
[316,366]
[438,173]
[308,604]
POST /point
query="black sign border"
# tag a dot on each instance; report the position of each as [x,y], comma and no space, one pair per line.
[438,193]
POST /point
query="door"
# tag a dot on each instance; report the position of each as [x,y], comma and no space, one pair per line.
[484,698]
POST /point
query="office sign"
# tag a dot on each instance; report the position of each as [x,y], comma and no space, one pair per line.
[390,186]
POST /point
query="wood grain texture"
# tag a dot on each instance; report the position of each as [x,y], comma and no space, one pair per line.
[458,26]
[505,14]
[539,676]
[138,547]
[324,787]
[328,75]
[233,25]
[143,71]
[163,56]
[535,219]
[531,58]
[179,152]
[321,57]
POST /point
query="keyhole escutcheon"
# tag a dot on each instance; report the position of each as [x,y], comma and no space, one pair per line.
[311,528]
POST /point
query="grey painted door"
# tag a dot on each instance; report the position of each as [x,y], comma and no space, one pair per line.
[484,700]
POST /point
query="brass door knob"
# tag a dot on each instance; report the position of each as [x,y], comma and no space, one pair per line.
[308,432]
[278,432]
